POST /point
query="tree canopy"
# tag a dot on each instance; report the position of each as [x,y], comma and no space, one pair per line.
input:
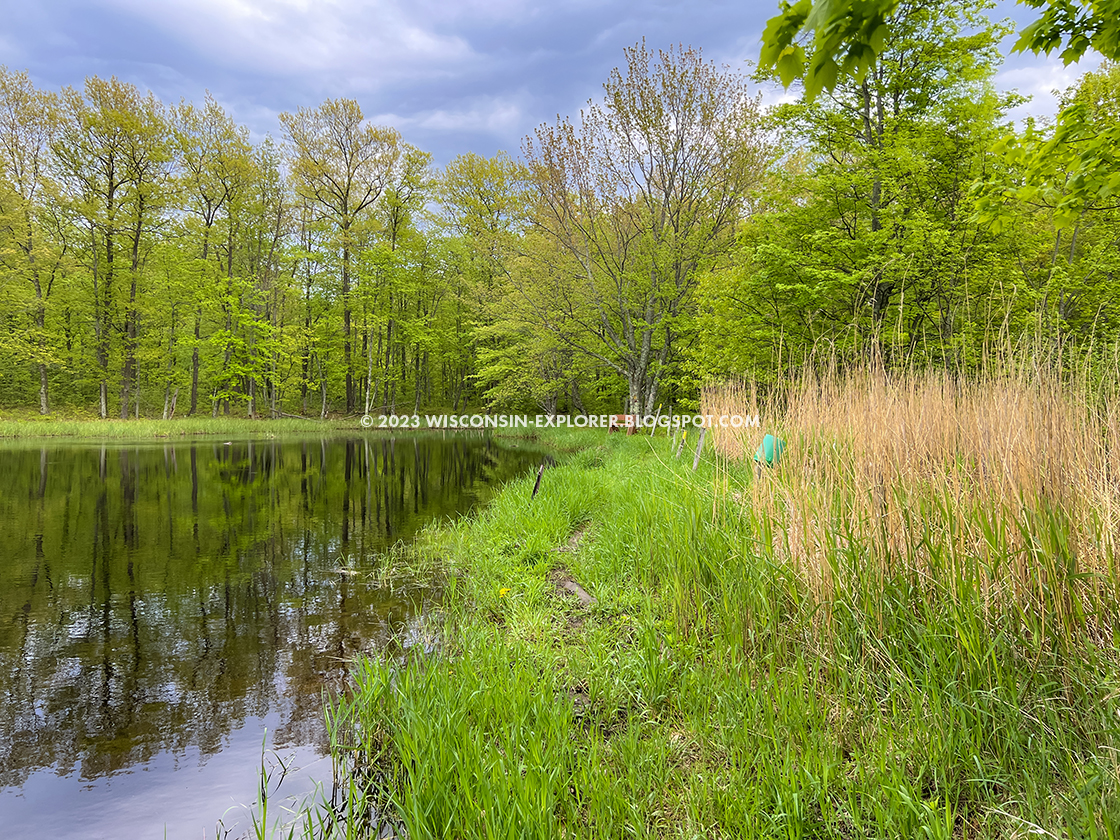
[155,260]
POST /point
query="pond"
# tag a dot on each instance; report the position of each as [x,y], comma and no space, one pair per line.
[170,616]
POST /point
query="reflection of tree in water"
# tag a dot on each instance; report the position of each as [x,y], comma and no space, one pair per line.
[153,597]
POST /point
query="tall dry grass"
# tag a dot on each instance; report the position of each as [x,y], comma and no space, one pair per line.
[704,694]
[1004,484]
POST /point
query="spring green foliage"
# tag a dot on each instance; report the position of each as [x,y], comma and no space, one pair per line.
[850,39]
[708,691]
[637,199]
[1070,168]
[1077,27]
[869,238]
[909,222]
[847,40]
[155,262]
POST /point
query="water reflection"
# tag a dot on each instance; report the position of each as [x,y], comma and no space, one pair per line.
[153,598]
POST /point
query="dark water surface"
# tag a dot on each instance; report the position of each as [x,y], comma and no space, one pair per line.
[170,615]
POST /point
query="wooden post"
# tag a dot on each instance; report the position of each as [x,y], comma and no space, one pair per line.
[537,486]
[699,448]
[684,436]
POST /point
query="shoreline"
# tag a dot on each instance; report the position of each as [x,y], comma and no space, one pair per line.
[624,656]
[94,429]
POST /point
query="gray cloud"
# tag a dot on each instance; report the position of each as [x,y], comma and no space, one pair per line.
[452,76]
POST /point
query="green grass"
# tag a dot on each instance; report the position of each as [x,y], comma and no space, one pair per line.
[19,424]
[34,426]
[709,692]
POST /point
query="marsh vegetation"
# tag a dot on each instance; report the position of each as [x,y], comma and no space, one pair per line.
[906,628]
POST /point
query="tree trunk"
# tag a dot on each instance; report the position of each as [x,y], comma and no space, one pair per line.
[129,372]
[194,362]
[346,320]
[416,378]
[577,400]
[102,311]
[634,399]
[44,406]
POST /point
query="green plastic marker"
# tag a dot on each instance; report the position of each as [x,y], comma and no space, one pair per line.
[770,450]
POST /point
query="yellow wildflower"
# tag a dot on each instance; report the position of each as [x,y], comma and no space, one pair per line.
[503,592]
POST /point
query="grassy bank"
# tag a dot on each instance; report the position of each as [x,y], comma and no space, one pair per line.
[17,426]
[716,687]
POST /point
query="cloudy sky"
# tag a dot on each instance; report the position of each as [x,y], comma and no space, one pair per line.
[451,75]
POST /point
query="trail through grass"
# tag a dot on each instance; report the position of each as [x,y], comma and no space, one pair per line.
[715,688]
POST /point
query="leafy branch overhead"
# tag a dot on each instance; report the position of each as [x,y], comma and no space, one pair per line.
[1075,28]
[820,42]
[841,39]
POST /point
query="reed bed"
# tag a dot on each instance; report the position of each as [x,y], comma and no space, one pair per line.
[1008,485]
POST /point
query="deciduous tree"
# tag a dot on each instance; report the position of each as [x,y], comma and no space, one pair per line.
[341,164]
[643,193]
[29,121]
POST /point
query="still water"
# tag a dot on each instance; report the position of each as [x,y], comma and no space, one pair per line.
[170,616]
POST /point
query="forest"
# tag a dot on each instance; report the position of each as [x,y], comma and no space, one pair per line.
[903,621]
[156,260]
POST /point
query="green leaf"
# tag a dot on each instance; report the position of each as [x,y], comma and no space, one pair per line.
[791,64]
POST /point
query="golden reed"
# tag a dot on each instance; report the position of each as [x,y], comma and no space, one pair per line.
[1006,484]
